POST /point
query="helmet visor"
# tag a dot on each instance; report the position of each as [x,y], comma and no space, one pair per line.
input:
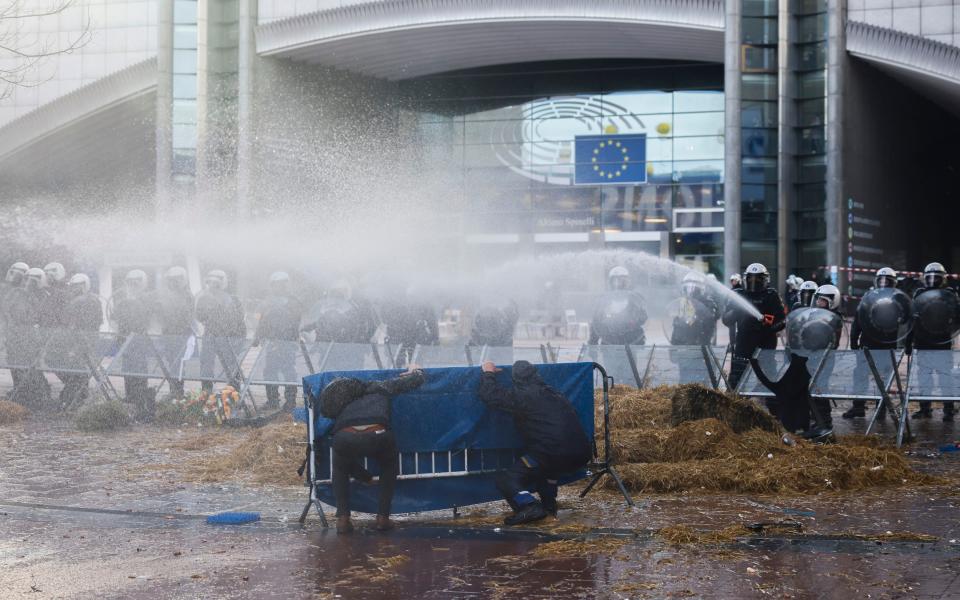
[933,280]
[754,282]
[885,281]
[805,297]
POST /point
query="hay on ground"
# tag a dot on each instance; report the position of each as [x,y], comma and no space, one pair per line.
[692,402]
[631,408]
[11,412]
[271,455]
[684,534]
[578,548]
[801,469]
[104,416]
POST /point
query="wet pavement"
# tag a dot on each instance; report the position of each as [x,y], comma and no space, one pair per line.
[113,516]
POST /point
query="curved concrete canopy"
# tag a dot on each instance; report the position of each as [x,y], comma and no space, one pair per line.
[931,68]
[403,39]
[104,129]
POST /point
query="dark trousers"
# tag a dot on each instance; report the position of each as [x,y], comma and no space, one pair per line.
[74,389]
[280,364]
[537,474]
[738,365]
[349,449]
[214,350]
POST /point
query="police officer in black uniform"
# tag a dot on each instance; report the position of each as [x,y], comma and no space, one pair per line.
[554,441]
[221,315]
[174,306]
[279,327]
[804,295]
[751,332]
[621,313]
[884,278]
[494,326]
[83,316]
[26,317]
[696,323]
[132,312]
[934,279]
[410,323]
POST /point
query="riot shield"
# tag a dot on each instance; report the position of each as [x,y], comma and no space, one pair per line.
[811,330]
[885,316]
[936,317]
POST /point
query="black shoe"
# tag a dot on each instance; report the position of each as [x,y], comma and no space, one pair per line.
[527,514]
[923,413]
[550,507]
[855,413]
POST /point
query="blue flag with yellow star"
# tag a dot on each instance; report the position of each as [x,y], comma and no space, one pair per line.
[612,159]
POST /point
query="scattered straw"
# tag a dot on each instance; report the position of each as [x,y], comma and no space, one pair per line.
[718,443]
[684,534]
[271,455]
[578,548]
[104,416]
[11,412]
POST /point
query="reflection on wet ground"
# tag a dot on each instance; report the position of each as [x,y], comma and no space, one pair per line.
[110,516]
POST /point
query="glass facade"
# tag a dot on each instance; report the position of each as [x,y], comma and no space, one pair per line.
[184,164]
[759,123]
[511,141]
[809,128]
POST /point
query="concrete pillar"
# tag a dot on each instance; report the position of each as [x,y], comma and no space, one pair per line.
[247,65]
[732,143]
[786,141]
[836,73]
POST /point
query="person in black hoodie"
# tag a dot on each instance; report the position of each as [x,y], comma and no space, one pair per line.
[555,443]
[362,428]
[792,393]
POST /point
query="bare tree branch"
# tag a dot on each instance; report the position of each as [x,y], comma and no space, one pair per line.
[23,51]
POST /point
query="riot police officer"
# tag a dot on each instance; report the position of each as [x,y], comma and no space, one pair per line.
[279,327]
[25,308]
[132,312]
[494,326]
[793,292]
[83,317]
[885,278]
[697,319]
[410,323]
[59,297]
[341,318]
[751,332]
[621,314]
[827,297]
[805,295]
[174,305]
[934,281]
[222,317]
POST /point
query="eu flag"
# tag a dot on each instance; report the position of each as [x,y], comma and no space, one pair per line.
[611,159]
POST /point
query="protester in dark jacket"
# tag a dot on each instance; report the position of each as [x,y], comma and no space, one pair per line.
[362,429]
[792,391]
[555,443]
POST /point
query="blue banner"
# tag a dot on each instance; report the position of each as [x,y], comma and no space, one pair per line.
[610,159]
[450,443]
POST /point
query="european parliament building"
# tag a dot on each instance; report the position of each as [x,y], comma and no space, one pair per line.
[804,134]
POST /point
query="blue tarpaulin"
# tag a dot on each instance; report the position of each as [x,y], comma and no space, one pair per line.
[450,443]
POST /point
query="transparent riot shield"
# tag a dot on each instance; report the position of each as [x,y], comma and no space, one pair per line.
[674,365]
[441,356]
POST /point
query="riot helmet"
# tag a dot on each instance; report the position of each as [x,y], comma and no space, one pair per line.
[827,296]
[807,291]
[934,276]
[79,284]
[736,281]
[341,290]
[36,278]
[756,278]
[216,280]
[885,278]
[135,282]
[618,278]
[793,282]
[16,273]
[279,283]
[55,272]
[693,284]
[176,278]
